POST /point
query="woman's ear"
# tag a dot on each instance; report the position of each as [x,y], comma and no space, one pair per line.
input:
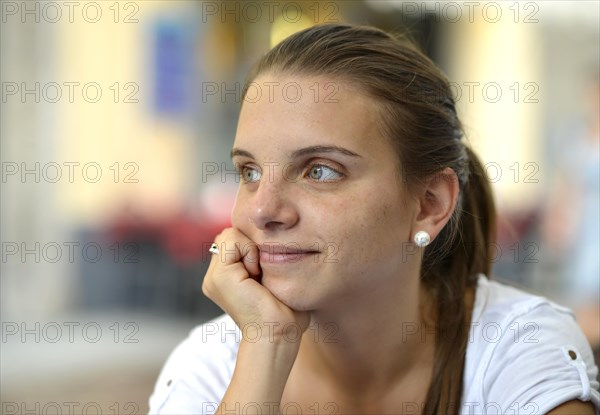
[436,202]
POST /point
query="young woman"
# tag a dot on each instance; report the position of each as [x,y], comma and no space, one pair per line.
[354,273]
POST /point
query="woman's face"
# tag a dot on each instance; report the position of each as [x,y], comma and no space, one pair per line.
[320,192]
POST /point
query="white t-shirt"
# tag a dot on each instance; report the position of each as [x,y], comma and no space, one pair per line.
[526,355]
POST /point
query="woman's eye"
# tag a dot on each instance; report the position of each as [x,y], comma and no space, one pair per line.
[323,173]
[250,175]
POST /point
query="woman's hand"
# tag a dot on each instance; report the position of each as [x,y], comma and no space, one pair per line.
[233,283]
[266,355]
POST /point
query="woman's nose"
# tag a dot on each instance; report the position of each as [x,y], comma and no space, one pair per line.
[272,205]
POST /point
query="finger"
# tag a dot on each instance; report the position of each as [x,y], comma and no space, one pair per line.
[222,280]
[250,253]
[229,247]
[251,260]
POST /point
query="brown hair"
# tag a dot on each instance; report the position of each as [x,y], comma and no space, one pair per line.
[419,117]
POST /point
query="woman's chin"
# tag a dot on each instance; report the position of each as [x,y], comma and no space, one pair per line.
[289,293]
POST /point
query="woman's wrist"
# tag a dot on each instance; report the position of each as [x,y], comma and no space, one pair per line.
[274,333]
[276,348]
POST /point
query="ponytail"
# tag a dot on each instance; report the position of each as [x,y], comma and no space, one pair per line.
[478,219]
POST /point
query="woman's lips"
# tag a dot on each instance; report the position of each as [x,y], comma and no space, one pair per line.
[284,254]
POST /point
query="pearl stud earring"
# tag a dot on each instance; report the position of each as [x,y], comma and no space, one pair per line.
[422,239]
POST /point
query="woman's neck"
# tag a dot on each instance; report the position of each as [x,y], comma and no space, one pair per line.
[372,342]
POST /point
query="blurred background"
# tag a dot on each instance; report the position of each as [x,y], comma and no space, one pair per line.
[116,123]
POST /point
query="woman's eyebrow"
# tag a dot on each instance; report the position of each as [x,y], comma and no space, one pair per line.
[323,149]
[302,152]
[240,152]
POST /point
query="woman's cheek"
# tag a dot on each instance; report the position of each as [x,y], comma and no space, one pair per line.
[239,215]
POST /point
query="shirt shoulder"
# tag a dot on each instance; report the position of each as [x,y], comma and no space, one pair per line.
[526,354]
[198,371]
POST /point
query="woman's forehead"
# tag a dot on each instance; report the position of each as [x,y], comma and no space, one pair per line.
[285,110]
